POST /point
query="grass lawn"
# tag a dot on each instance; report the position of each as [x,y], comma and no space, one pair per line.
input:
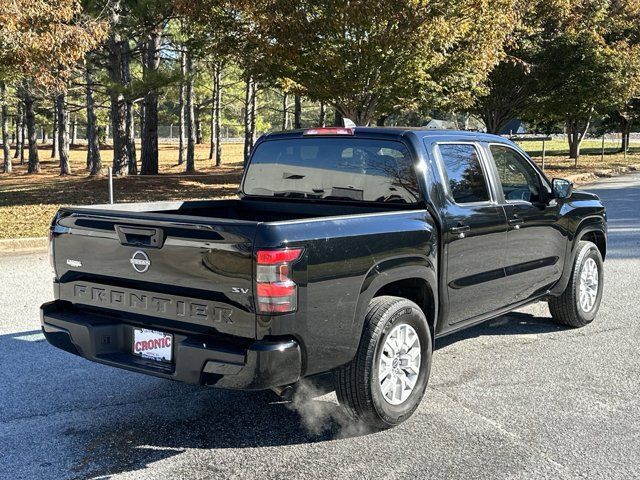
[28,202]
[558,163]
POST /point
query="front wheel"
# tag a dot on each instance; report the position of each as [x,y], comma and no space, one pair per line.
[384,384]
[579,303]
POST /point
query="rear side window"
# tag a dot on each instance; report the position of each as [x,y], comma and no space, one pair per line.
[333,168]
[467,182]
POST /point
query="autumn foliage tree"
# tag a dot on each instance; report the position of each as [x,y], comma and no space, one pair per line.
[589,62]
[43,41]
[41,45]
[567,63]
[373,57]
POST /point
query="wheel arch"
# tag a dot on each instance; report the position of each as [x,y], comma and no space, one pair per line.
[413,278]
[596,236]
[592,229]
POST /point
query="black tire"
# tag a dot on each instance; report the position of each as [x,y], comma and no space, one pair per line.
[566,308]
[357,386]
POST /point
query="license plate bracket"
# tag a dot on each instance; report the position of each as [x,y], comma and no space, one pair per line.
[153,345]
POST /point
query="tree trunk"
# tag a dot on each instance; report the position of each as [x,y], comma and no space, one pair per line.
[297,112]
[467,120]
[323,114]
[338,121]
[151,65]
[131,139]
[626,140]
[118,103]
[217,127]
[18,131]
[212,141]
[380,121]
[34,161]
[572,137]
[285,110]
[575,136]
[252,124]
[247,121]
[6,151]
[625,131]
[74,131]
[181,111]
[361,115]
[199,135]
[132,160]
[190,118]
[496,120]
[212,138]
[212,127]
[63,133]
[94,162]
[250,95]
[54,136]
[23,133]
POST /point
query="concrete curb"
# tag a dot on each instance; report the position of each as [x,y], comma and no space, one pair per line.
[23,245]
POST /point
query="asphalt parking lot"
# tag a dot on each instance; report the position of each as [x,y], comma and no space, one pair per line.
[518,397]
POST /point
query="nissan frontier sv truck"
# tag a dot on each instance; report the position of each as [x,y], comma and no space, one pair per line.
[349,253]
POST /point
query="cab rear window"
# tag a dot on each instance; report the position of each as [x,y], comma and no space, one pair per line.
[334,169]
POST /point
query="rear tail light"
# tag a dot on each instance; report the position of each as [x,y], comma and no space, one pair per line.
[276,292]
[330,131]
[50,250]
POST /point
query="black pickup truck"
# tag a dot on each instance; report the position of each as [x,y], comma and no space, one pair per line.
[347,254]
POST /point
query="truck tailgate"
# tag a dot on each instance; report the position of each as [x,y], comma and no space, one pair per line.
[184,270]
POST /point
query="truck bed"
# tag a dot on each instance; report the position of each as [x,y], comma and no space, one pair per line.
[260,210]
[199,254]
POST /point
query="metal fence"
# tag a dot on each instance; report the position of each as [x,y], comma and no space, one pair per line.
[233,133]
[166,133]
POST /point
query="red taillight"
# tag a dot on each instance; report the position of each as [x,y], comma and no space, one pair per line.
[330,131]
[275,291]
[272,257]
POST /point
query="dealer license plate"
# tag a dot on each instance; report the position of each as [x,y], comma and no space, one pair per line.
[152,345]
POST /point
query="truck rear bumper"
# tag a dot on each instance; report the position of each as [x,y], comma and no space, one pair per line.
[197,359]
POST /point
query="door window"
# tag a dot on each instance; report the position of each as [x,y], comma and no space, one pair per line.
[467,182]
[518,178]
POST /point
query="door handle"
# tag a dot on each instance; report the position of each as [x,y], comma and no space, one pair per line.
[515,222]
[459,230]
[140,237]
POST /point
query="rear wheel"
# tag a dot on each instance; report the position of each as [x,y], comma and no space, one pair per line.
[386,380]
[579,303]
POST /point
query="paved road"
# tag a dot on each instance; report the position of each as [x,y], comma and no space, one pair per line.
[515,398]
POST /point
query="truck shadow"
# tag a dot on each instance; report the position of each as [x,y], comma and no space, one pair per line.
[126,421]
[514,323]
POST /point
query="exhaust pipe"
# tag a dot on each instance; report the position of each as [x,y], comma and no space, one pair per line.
[285,393]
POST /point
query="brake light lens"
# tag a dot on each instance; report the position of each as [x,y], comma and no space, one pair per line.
[276,292]
[330,131]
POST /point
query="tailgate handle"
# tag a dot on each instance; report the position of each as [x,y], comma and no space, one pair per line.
[140,237]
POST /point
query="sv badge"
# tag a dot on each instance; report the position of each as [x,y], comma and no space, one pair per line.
[240,290]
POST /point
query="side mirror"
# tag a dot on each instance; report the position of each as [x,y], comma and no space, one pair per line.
[562,188]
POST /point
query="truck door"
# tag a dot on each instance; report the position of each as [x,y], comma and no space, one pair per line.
[475,234]
[535,242]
